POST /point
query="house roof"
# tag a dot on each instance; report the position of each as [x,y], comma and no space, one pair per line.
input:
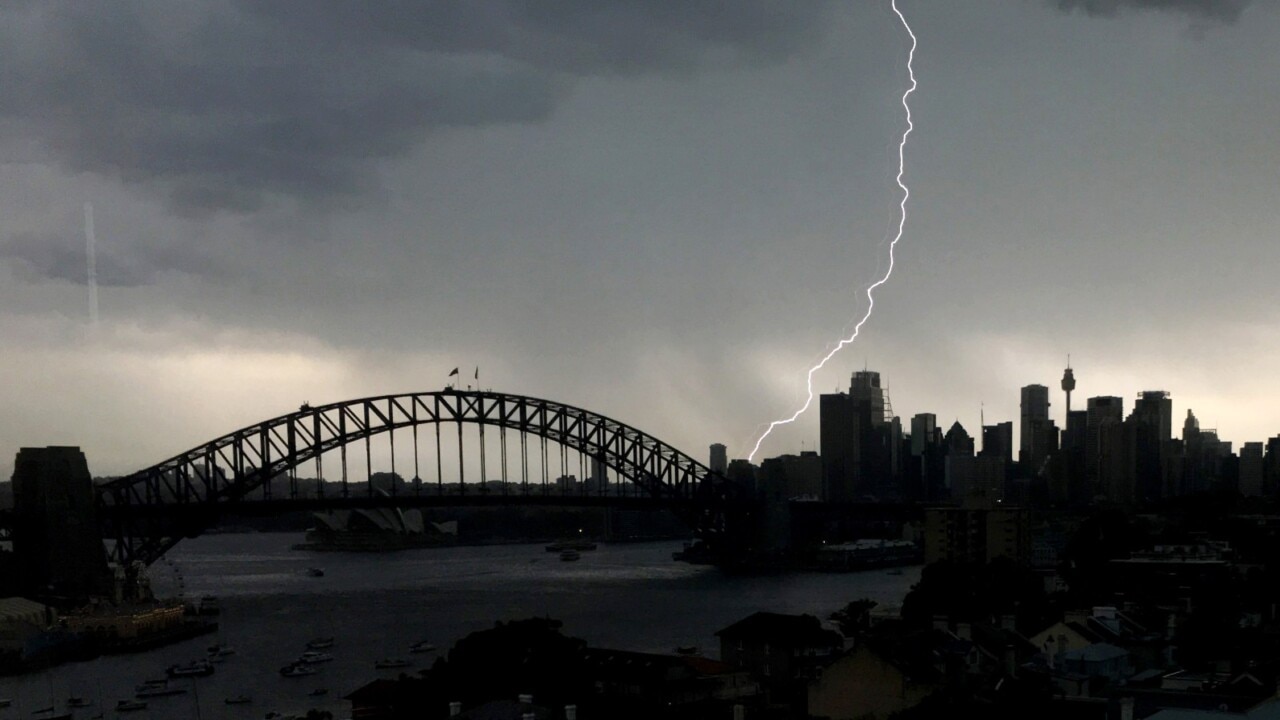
[1097,652]
[783,630]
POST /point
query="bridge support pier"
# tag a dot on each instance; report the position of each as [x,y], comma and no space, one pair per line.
[57,541]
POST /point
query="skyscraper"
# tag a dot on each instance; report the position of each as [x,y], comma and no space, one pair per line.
[924,432]
[1035,408]
[719,458]
[1103,412]
[1152,418]
[856,441]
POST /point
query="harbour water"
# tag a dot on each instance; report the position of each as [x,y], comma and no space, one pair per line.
[375,606]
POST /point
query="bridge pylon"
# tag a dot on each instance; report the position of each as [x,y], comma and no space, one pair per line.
[57,541]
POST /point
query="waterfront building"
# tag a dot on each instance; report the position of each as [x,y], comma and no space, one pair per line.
[977,534]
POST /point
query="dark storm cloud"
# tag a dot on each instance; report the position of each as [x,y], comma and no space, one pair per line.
[1226,10]
[218,104]
[51,257]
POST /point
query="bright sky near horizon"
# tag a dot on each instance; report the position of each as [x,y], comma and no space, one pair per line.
[658,212]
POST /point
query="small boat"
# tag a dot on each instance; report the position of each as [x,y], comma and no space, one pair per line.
[221,649]
[77,702]
[570,555]
[422,647]
[322,643]
[297,670]
[130,705]
[238,700]
[5,702]
[311,657]
[893,571]
[315,572]
[41,711]
[687,650]
[391,664]
[197,668]
[318,692]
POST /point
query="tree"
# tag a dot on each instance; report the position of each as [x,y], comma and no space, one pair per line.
[855,617]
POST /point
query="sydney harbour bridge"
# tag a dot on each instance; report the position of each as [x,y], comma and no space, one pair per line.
[515,450]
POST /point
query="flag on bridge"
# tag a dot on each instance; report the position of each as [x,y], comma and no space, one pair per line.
[455,372]
[477,372]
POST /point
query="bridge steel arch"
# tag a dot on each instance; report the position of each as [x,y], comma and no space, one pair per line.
[149,511]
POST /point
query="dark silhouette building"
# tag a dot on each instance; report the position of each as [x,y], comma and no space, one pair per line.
[57,540]
[1152,419]
[858,442]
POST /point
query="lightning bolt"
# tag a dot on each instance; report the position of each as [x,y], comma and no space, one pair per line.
[871,300]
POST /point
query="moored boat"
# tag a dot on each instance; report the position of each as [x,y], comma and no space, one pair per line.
[158,691]
[196,668]
[297,670]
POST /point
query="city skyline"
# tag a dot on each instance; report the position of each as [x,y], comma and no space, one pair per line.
[665,228]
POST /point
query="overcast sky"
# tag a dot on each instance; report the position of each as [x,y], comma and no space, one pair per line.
[661,211]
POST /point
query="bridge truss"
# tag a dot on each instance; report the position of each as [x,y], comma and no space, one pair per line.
[149,511]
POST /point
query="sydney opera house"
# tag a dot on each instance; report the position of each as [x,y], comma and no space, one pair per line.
[376,529]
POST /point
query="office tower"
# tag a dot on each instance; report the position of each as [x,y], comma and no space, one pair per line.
[1103,411]
[857,441]
[1251,478]
[997,441]
[1035,409]
[924,431]
[719,458]
[1153,428]
[868,396]
[1271,467]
